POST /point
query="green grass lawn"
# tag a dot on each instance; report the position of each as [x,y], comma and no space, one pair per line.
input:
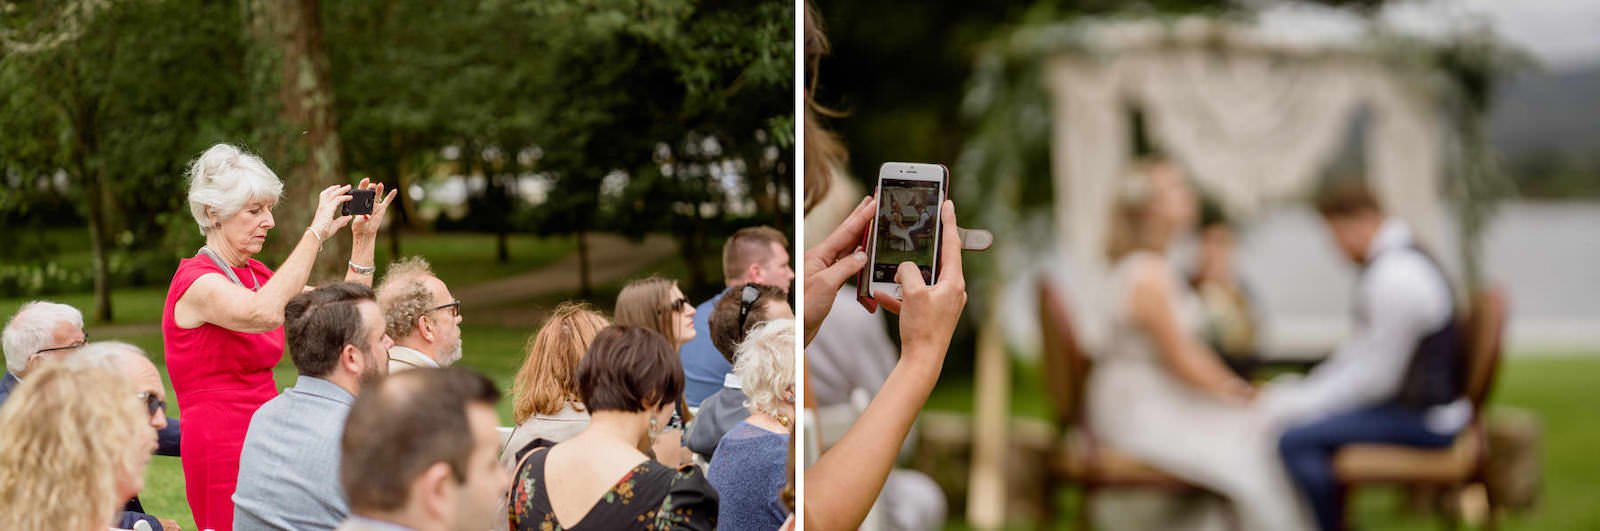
[1559,390]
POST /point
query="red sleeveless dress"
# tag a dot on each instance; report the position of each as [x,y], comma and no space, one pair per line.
[220,377]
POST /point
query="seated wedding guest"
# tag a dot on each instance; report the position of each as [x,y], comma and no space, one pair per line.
[446,476]
[758,255]
[732,318]
[748,468]
[222,322]
[599,479]
[40,331]
[422,317]
[546,404]
[1397,379]
[134,366]
[1231,322]
[76,440]
[286,479]
[657,304]
[1156,382]
[845,480]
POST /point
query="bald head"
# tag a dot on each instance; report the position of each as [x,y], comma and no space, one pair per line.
[130,362]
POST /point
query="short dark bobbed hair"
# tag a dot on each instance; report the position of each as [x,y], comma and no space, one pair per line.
[629,369]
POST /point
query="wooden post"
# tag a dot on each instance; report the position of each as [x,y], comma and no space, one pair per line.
[986,499]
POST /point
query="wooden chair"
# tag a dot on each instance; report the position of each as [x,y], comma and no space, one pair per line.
[1078,458]
[1467,461]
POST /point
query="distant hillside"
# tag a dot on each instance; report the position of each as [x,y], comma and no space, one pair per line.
[1548,112]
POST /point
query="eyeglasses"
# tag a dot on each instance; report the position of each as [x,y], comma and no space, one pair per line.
[747,299]
[73,346]
[153,403]
[454,306]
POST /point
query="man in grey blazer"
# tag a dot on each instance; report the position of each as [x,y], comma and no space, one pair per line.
[289,466]
[448,478]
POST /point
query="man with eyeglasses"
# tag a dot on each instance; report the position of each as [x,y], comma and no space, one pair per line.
[40,332]
[734,316]
[420,315]
[131,362]
[752,255]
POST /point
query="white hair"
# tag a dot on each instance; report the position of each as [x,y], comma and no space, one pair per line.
[764,363]
[225,179]
[106,355]
[33,328]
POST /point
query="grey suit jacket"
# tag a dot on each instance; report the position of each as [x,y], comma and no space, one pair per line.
[357,523]
[289,467]
[719,413]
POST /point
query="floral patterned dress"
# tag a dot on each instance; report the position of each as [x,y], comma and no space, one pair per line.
[651,496]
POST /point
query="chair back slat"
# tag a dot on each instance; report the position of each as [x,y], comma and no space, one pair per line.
[1065,365]
[1485,331]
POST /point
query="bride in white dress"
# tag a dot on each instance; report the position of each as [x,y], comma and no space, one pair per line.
[1156,391]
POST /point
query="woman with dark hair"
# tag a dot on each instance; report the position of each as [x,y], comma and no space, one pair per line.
[629,381]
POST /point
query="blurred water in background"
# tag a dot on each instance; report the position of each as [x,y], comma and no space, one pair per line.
[1545,253]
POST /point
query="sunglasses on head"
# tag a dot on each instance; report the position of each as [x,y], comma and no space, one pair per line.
[747,299]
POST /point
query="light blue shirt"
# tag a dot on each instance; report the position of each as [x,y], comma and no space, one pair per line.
[703,365]
[289,467]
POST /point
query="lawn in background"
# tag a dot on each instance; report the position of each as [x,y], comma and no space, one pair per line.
[1558,389]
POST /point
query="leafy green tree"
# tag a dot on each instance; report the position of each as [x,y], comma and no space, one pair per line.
[116,98]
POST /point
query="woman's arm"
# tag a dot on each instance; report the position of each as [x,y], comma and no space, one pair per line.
[214,299]
[1192,362]
[845,481]
[364,234]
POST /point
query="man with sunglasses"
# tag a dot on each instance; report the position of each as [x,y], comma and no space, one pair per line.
[420,315]
[753,255]
[131,362]
[733,317]
[40,331]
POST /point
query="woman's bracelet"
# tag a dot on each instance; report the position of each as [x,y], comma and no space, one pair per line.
[315,234]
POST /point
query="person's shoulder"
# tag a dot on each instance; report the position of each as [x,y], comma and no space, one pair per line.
[1404,270]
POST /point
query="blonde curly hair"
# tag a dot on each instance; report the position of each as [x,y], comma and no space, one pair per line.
[404,296]
[765,366]
[71,434]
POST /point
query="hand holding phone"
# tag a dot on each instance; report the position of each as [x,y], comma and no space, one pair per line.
[906,228]
[360,203]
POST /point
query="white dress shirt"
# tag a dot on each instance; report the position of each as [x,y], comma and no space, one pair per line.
[1406,299]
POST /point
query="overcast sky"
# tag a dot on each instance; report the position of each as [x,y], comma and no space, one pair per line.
[1563,34]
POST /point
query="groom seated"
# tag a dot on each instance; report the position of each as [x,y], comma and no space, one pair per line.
[1397,379]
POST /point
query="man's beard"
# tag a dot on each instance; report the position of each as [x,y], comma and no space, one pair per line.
[453,356]
[376,368]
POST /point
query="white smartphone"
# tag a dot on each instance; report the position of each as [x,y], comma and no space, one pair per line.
[907,225]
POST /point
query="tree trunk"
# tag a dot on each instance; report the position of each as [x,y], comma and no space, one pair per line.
[399,217]
[291,54]
[584,289]
[96,199]
[690,244]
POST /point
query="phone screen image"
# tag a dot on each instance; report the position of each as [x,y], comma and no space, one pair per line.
[908,223]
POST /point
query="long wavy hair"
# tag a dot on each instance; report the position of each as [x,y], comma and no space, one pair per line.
[69,436]
[548,379]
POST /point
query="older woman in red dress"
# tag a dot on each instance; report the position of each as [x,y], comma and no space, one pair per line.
[222,326]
